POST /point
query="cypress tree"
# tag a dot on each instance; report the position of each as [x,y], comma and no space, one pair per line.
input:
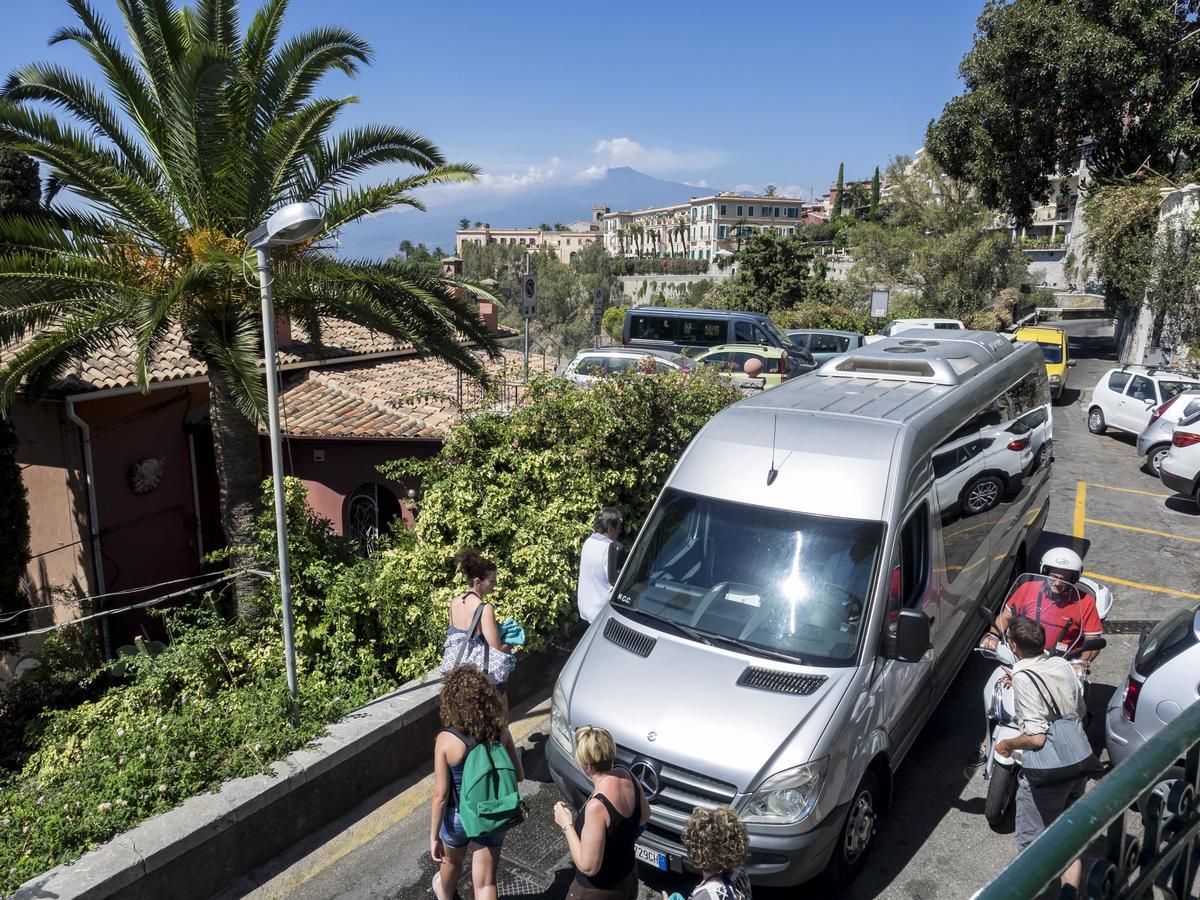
[20,191]
[841,189]
[874,212]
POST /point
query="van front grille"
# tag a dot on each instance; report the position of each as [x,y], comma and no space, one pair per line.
[625,637]
[681,791]
[780,682]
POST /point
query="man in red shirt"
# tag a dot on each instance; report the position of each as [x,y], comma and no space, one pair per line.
[1067,614]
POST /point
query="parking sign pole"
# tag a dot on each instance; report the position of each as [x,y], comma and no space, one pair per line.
[526,318]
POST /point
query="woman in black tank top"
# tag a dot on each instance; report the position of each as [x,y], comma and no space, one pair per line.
[601,835]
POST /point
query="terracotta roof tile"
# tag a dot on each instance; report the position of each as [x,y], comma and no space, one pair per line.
[408,397]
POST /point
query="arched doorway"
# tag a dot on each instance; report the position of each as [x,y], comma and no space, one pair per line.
[370,511]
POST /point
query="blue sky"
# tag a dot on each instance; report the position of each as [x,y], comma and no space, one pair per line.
[728,96]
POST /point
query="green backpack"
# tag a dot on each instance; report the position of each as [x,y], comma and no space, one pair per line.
[489,802]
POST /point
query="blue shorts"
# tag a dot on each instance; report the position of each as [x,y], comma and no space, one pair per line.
[452,834]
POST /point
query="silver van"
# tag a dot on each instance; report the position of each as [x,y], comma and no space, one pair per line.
[802,594]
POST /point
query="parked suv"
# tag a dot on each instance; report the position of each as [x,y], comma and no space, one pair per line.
[1155,439]
[595,363]
[1181,466]
[1125,398]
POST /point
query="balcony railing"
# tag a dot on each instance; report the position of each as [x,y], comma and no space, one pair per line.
[1163,857]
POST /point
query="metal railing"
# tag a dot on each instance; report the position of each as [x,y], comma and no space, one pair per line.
[1164,857]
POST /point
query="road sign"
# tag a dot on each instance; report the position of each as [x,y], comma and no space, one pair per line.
[529,296]
[879,304]
[598,298]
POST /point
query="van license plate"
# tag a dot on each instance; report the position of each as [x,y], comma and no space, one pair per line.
[650,857]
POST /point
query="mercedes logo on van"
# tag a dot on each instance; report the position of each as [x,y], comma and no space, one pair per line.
[652,736]
[646,773]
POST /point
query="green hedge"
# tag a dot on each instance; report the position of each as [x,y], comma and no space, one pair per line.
[212,706]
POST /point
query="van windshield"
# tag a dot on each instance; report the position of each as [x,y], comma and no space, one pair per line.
[773,583]
[781,339]
[1051,353]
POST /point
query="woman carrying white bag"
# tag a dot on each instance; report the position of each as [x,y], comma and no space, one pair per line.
[473,636]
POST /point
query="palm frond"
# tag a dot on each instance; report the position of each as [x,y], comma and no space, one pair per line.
[353,152]
[217,23]
[59,87]
[155,316]
[232,343]
[289,142]
[292,73]
[344,207]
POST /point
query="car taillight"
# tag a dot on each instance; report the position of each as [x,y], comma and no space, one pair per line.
[1184,439]
[1019,444]
[1129,704]
[783,365]
[1160,409]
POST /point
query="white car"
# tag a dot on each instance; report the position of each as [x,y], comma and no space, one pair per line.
[1180,468]
[976,472]
[1154,441]
[1125,398]
[894,327]
[590,365]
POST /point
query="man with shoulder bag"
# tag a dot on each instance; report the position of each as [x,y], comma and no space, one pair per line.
[1056,758]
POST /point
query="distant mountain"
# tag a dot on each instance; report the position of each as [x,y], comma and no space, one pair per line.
[619,188]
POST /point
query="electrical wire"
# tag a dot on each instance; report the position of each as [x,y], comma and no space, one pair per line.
[134,590]
[145,603]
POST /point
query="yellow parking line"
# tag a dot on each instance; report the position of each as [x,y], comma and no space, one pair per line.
[1176,537]
[1080,511]
[1109,487]
[1142,587]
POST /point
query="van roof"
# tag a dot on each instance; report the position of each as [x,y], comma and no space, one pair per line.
[692,312]
[833,438]
[1039,333]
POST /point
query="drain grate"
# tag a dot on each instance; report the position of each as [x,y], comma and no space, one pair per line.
[1129,626]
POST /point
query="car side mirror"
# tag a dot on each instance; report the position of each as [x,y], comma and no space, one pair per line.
[1149,401]
[912,639]
[1071,363]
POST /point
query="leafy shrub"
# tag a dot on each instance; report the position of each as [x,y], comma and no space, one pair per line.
[821,315]
[523,488]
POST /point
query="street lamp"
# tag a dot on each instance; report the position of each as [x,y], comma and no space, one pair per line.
[290,225]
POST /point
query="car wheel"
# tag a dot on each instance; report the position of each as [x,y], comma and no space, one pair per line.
[999,806]
[982,494]
[1096,420]
[1045,455]
[857,831]
[1154,458]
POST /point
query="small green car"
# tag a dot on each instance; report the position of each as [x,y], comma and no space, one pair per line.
[731,359]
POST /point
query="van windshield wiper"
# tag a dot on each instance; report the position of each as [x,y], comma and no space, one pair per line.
[757,650]
[687,631]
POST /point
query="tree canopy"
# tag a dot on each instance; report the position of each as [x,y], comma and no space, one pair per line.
[1043,76]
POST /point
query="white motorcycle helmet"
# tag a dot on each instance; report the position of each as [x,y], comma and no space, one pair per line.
[1062,559]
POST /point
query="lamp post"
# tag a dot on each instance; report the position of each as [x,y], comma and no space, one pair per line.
[290,225]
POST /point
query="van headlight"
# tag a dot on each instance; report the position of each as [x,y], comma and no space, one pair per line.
[1055,379]
[786,797]
[560,724]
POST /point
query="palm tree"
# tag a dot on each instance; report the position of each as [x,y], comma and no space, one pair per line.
[621,234]
[203,131]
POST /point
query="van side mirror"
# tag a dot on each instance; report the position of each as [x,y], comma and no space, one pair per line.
[1071,363]
[616,559]
[912,639]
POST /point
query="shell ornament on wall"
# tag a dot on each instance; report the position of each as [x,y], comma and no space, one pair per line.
[146,475]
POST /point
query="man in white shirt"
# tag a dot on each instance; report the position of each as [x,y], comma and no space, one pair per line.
[594,563]
[1036,680]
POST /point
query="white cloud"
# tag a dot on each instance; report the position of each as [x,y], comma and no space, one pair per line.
[623,151]
[591,173]
[790,191]
[703,182]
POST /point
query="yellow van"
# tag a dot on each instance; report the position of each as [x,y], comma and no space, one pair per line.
[1053,342]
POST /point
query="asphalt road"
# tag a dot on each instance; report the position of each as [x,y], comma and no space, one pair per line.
[935,842]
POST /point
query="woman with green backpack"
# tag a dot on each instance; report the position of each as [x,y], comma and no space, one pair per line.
[475,775]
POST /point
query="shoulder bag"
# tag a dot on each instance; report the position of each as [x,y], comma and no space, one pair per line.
[471,648]
[1067,753]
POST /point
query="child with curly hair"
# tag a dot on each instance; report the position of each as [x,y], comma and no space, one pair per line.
[471,714]
[716,845]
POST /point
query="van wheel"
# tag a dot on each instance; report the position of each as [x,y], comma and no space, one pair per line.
[1096,420]
[982,494]
[1155,456]
[857,831]
[999,806]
